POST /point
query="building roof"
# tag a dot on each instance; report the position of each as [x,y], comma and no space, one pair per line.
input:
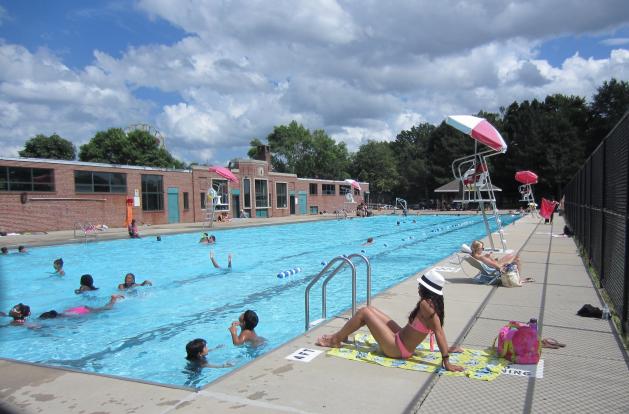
[453,187]
[92,164]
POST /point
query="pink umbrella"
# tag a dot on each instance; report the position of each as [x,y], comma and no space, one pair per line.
[526,177]
[225,173]
[479,129]
[353,183]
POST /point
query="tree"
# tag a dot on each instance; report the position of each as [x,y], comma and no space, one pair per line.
[409,149]
[52,147]
[375,163]
[138,147]
[294,149]
[607,108]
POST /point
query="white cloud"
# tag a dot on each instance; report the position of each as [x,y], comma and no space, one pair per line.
[359,70]
[616,41]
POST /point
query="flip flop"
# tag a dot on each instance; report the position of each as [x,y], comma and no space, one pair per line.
[552,343]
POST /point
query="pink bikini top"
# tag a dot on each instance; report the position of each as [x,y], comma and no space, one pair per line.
[419,326]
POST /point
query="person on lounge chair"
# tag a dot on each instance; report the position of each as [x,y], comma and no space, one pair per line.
[495,263]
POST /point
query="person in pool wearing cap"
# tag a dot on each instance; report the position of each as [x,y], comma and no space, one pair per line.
[400,342]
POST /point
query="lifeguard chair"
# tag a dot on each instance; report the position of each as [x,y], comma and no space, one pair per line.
[527,179]
[472,171]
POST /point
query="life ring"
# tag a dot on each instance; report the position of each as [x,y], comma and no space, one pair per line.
[288,272]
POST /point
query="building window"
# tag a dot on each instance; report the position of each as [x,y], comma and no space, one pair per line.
[344,189]
[356,192]
[152,192]
[26,179]
[203,200]
[313,188]
[246,183]
[220,186]
[186,201]
[281,192]
[262,193]
[328,189]
[99,182]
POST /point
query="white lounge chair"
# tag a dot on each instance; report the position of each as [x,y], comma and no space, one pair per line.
[487,275]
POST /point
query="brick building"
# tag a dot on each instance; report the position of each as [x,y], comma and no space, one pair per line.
[46,195]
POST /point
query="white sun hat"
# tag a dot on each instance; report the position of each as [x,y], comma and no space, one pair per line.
[433,281]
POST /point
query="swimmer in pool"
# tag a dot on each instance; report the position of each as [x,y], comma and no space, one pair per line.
[87,284]
[197,351]
[58,266]
[215,263]
[19,313]
[81,310]
[369,242]
[247,323]
[129,282]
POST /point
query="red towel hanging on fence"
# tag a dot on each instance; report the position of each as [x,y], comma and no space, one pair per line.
[547,208]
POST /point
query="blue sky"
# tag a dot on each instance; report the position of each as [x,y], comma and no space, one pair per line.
[213,75]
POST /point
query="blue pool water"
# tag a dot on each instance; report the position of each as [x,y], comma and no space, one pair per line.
[143,337]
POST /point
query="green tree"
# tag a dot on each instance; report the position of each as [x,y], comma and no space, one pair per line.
[294,149]
[138,147]
[409,149]
[52,147]
[375,163]
[607,108]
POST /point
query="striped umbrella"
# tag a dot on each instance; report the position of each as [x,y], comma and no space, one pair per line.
[479,129]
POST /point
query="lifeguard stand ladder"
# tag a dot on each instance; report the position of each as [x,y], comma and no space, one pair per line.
[402,204]
[215,201]
[475,187]
[527,197]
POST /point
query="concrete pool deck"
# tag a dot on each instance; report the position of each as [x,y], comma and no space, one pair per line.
[589,374]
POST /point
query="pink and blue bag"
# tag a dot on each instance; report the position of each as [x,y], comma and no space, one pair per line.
[518,342]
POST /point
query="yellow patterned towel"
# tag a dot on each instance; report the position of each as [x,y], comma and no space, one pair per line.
[482,365]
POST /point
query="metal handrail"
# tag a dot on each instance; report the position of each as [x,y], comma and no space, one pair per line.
[344,260]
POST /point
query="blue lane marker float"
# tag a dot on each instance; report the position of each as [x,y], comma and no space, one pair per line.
[289,272]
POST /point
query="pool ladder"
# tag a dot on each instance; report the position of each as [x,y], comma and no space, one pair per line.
[341,261]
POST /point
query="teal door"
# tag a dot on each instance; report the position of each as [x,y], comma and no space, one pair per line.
[173,205]
[303,200]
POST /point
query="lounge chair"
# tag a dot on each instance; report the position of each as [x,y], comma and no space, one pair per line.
[486,275]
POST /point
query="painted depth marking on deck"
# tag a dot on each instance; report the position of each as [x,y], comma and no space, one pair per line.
[536,371]
[304,355]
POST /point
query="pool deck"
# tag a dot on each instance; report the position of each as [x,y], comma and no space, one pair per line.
[590,374]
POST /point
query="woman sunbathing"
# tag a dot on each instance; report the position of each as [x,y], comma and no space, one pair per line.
[398,342]
[498,263]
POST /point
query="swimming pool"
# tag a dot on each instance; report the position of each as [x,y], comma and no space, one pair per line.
[143,337]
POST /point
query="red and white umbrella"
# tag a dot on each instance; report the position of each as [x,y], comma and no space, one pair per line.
[479,129]
[225,173]
[526,177]
[353,183]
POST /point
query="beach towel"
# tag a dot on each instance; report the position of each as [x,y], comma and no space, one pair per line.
[479,364]
[547,208]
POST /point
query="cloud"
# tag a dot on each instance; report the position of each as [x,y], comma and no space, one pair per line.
[615,41]
[39,94]
[360,71]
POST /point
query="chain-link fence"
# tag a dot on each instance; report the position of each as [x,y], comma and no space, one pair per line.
[596,210]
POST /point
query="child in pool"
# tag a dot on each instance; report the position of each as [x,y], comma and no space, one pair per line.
[19,313]
[247,323]
[129,282]
[215,263]
[58,265]
[81,310]
[197,351]
[87,284]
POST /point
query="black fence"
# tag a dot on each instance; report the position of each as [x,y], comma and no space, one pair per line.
[596,210]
